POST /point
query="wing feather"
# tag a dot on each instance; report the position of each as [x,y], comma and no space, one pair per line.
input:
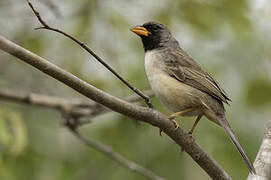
[185,69]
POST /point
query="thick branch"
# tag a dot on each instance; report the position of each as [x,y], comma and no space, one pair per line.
[262,162]
[98,58]
[148,115]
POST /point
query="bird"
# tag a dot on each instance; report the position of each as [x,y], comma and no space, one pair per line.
[181,84]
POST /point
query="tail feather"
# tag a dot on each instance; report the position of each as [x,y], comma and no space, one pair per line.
[224,123]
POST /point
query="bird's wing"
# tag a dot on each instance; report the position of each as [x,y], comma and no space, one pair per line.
[183,68]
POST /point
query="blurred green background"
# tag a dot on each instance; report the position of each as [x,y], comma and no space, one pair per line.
[230,38]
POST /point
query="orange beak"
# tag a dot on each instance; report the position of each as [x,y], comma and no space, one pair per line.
[141,31]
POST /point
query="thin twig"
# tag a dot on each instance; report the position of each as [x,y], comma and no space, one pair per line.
[46,26]
[109,152]
[262,162]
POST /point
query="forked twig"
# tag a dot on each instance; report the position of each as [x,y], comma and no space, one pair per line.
[98,58]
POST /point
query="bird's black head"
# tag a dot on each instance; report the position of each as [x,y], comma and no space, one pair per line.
[154,35]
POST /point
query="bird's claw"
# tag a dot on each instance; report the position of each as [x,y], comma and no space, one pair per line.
[171,118]
[160,132]
[175,124]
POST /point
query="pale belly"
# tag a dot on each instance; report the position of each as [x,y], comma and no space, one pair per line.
[174,94]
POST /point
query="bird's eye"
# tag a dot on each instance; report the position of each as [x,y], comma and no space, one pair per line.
[155,28]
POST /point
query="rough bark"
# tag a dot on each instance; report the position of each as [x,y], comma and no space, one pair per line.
[262,162]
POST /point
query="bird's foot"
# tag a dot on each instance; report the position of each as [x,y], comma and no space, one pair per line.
[176,124]
[190,132]
[160,131]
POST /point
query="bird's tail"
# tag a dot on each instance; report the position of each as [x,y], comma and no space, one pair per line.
[224,123]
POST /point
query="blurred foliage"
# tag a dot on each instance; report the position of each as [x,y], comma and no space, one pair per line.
[258,92]
[13,139]
[12,132]
[207,16]
[231,39]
